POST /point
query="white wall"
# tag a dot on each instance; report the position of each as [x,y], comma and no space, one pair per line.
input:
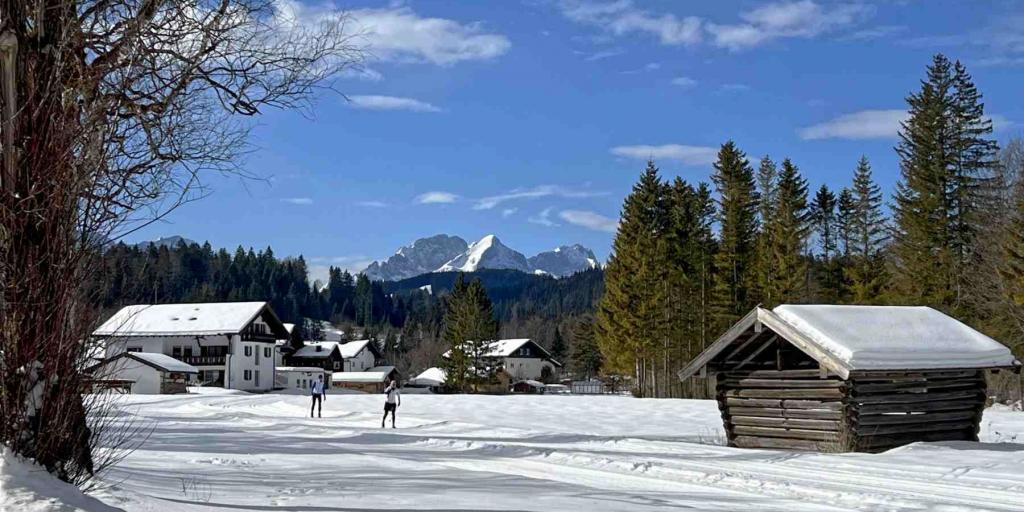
[528,367]
[362,362]
[146,379]
[297,379]
[260,359]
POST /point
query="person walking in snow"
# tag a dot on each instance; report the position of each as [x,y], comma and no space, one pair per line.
[319,393]
[394,399]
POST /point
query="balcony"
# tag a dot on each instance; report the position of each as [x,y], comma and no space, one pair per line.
[202,360]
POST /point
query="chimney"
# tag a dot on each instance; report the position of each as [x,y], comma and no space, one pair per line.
[319,348]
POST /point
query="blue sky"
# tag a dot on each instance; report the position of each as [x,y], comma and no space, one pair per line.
[531,119]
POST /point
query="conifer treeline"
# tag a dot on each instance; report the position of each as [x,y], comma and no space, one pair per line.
[671,286]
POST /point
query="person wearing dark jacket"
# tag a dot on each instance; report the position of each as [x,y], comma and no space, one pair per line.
[319,393]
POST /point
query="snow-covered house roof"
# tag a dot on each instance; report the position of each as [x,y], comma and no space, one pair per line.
[430,377]
[509,347]
[375,374]
[201,319]
[308,369]
[847,339]
[160,362]
[289,327]
[353,348]
[316,349]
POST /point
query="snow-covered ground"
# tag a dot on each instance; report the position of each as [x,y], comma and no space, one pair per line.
[231,451]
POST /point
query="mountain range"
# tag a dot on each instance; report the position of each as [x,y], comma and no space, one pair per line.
[445,253]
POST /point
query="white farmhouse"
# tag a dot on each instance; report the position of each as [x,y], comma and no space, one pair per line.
[145,373]
[336,356]
[297,377]
[231,343]
[522,359]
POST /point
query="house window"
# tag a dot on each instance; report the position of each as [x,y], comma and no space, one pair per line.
[176,352]
[248,351]
[247,375]
[266,352]
[337,365]
[187,351]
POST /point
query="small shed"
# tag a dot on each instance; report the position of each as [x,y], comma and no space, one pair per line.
[849,378]
[148,373]
[529,387]
[371,381]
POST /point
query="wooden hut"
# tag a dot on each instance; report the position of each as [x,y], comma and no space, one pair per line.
[849,378]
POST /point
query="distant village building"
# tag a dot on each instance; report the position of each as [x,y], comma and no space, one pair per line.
[336,356]
[143,373]
[284,347]
[529,387]
[292,377]
[849,378]
[521,359]
[372,380]
[232,344]
[431,378]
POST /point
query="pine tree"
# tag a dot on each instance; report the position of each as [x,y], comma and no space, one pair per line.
[630,321]
[921,236]
[1012,268]
[481,331]
[767,186]
[865,271]
[558,348]
[737,217]
[844,222]
[823,218]
[789,228]
[456,363]
[973,184]
[586,356]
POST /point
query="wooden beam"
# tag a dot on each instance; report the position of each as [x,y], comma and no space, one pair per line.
[719,345]
[803,342]
[758,351]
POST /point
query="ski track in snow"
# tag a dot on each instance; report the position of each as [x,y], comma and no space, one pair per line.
[222,450]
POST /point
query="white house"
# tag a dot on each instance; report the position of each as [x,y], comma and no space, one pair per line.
[149,373]
[296,377]
[231,343]
[522,359]
[336,356]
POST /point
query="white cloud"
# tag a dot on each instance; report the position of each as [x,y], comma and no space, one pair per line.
[865,124]
[373,204]
[377,102]
[399,34]
[872,124]
[804,19]
[436,197]
[734,87]
[508,212]
[650,66]
[783,19]
[688,155]
[365,74]
[622,18]
[684,81]
[297,200]
[486,203]
[543,218]
[590,220]
[603,54]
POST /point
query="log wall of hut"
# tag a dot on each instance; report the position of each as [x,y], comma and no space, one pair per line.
[772,395]
[888,409]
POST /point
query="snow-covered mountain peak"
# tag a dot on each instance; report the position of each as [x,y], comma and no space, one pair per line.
[488,252]
[420,257]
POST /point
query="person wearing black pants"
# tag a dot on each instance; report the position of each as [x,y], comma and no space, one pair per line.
[319,393]
[391,404]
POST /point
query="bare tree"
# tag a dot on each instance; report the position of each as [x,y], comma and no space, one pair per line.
[111,111]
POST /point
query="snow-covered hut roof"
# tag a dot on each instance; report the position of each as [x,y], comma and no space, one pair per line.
[299,369]
[160,362]
[289,327]
[868,338]
[375,374]
[201,319]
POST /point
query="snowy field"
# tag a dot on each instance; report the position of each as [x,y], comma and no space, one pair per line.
[225,450]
